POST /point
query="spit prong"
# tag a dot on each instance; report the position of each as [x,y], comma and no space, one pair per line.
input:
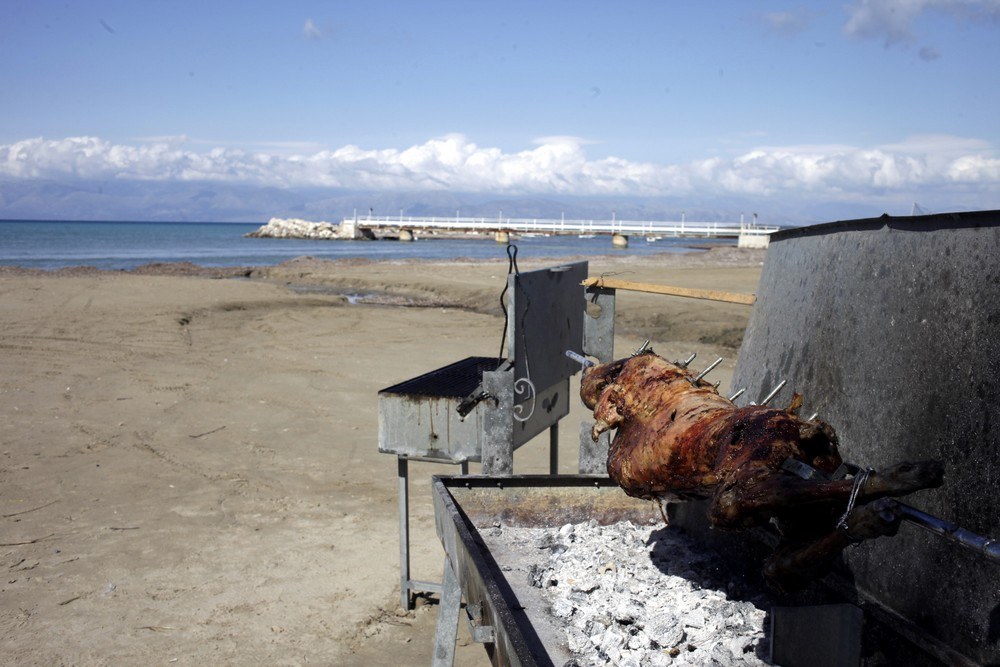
[813,417]
[705,372]
[642,348]
[687,362]
[774,392]
[737,394]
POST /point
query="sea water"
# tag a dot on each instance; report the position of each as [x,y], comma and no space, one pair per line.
[126,245]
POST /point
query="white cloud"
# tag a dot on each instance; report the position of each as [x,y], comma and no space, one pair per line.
[788,23]
[311,31]
[892,20]
[555,166]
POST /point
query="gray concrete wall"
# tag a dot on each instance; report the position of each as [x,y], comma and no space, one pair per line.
[890,328]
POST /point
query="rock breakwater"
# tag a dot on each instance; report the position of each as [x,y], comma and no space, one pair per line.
[295,228]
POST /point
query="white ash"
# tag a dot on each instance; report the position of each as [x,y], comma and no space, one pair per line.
[638,595]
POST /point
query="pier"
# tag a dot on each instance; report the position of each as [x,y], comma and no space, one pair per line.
[407,228]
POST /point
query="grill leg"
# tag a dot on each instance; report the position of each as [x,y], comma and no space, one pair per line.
[446,632]
[403,478]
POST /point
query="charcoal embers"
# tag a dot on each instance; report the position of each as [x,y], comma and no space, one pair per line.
[635,595]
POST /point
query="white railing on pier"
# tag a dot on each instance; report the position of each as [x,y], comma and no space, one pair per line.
[563,226]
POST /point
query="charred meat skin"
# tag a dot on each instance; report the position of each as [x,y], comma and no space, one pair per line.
[678,439]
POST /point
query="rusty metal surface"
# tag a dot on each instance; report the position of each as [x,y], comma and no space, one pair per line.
[525,633]
[890,328]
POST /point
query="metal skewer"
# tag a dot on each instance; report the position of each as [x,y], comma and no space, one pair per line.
[642,348]
[705,372]
[774,392]
[687,362]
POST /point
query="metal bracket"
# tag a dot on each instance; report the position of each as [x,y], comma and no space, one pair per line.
[480,632]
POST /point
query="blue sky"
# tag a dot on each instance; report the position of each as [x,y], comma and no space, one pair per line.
[884,102]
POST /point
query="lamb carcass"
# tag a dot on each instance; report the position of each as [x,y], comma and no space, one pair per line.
[678,439]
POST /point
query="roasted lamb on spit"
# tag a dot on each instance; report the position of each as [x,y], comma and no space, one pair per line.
[678,439]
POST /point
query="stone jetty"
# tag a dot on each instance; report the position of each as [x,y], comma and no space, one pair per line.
[295,228]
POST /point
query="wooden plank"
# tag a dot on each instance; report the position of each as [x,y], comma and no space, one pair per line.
[652,288]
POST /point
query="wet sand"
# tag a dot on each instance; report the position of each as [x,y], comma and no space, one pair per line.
[189,470]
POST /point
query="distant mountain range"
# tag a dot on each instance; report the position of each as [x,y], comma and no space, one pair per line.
[221,202]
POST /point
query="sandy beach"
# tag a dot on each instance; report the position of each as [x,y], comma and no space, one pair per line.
[189,470]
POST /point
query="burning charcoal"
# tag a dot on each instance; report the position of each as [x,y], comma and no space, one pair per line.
[660,659]
[552,543]
[628,612]
[578,641]
[596,625]
[695,619]
[607,568]
[666,631]
[739,646]
[562,608]
[612,642]
[628,660]
[638,641]
[566,532]
[619,606]
[541,577]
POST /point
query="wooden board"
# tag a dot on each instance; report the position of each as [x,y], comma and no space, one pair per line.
[710,295]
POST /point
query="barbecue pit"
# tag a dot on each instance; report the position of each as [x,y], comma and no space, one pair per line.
[888,327]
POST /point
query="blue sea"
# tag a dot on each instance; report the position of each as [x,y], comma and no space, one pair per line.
[126,245]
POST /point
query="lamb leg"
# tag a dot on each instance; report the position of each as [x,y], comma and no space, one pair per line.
[742,503]
[793,564]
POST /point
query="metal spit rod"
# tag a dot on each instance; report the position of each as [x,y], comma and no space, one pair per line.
[986,546]
[580,359]
[983,545]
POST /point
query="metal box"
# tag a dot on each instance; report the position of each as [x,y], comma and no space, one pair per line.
[419,418]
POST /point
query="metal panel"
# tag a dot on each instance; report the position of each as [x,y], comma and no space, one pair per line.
[889,329]
[545,319]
